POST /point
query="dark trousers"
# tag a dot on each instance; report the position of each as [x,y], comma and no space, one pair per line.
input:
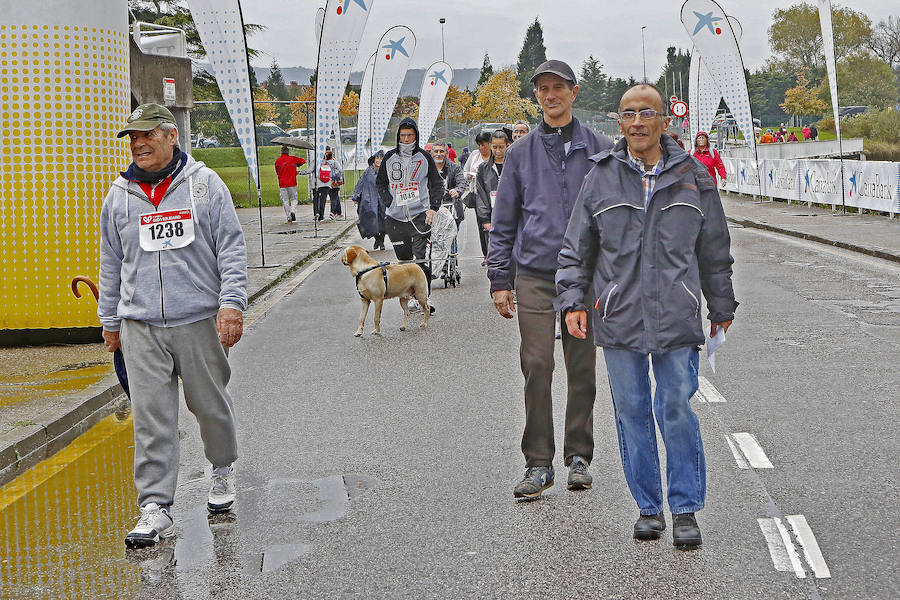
[379,240]
[484,237]
[322,196]
[335,195]
[536,327]
[410,241]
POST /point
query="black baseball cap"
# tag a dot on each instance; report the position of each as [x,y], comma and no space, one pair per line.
[555,67]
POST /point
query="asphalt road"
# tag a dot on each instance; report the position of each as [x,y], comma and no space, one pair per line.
[384,467]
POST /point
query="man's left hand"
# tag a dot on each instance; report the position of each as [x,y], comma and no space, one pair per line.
[230,325]
[714,327]
[429,216]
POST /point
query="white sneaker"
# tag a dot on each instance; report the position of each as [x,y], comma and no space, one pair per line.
[414,305]
[221,490]
[155,523]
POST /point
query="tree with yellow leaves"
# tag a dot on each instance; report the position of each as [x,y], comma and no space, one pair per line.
[802,99]
[498,99]
[349,106]
[263,108]
[458,104]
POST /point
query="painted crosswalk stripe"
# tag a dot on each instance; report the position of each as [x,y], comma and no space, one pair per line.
[810,546]
[781,548]
[707,392]
[745,445]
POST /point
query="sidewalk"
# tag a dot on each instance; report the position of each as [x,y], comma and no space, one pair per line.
[869,234]
[51,395]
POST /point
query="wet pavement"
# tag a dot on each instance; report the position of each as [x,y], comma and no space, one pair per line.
[360,478]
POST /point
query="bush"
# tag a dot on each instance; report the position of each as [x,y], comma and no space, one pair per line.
[880,126]
[876,150]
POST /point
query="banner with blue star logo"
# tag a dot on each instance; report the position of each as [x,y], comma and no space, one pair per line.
[364,115]
[438,78]
[704,95]
[342,30]
[395,50]
[715,40]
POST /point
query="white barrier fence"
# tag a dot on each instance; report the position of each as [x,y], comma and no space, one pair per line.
[869,185]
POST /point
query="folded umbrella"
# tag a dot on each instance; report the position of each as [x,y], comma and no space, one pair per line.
[118,357]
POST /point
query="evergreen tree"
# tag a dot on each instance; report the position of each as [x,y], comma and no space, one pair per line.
[533,53]
[678,64]
[275,83]
[487,70]
[592,83]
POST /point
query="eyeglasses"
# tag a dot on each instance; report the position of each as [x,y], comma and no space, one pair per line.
[646,114]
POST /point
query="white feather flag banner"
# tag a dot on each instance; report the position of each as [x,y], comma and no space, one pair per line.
[221,30]
[704,94]
[364,115]
[715,40]
[828,47]
[320,20]
[438,78]
[342,28]
[392,58]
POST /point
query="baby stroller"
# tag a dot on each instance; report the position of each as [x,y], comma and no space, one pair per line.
[443,248]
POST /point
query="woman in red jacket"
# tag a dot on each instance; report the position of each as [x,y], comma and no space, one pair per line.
[708,156]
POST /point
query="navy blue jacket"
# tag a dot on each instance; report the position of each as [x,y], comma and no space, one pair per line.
[534,201]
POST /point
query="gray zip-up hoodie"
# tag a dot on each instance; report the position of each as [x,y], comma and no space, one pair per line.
[646,266]
[171,287]
[400,171]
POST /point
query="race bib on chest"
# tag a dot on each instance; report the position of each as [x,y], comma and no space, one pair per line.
[493,197]
[166,230]
[407,195]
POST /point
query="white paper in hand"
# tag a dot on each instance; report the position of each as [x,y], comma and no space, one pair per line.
[713,344]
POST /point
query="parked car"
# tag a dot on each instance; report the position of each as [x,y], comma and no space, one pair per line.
[265,132]
[348,135]
[851,111]
[301,132]
[198,141]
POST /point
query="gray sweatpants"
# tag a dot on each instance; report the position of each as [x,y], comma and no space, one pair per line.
[155,358]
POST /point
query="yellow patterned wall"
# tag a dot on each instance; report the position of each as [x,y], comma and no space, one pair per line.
[64,93]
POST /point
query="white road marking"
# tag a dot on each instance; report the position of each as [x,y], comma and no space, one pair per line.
[810,546]
[777,549]
[738,457]
[287,288]
[752,451]
[707,392]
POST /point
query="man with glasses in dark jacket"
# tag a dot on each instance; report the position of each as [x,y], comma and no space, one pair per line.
[647,234]
[542,174]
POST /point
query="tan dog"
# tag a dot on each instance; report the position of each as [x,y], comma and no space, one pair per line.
[403,281]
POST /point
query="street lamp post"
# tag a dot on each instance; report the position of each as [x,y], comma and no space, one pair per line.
[442,20]
[644,52]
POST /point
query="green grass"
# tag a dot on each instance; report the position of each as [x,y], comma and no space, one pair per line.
[231,166]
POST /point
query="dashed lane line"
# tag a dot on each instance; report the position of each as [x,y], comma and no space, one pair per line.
[754,456]
[707,392]
[783,550]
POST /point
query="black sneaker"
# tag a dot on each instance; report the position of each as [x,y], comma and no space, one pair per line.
[686,532]
[536,480]
[293,217]
[649,527]
[430,309]
[579,477]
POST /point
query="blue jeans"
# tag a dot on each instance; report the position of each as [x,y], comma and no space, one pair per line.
[676,381]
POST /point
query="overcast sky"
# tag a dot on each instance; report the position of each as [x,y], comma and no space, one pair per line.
[610,30]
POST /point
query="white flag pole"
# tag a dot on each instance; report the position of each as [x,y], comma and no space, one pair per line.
[828,46]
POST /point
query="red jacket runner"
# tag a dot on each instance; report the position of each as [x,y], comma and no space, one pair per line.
[286,169]
[712,161]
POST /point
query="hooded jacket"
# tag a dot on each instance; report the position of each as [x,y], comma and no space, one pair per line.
[418,171]
[709,157]
[369,206]
[535,198]
[486,181]
[647,266]
[171,287]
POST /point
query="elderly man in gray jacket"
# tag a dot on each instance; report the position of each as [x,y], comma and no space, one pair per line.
[173,279]
[647,234]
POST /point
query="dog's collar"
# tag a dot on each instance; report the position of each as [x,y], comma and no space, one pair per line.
[382,266]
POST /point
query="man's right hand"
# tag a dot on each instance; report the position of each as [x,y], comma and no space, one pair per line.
[503,302]
[576,323]
[111,340]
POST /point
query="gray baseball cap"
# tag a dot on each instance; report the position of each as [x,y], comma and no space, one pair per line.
[555,67]
[145,118]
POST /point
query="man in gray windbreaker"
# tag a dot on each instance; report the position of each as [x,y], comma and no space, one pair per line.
[647,234]
[173,279]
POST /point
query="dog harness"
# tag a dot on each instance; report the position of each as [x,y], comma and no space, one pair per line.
[383,267]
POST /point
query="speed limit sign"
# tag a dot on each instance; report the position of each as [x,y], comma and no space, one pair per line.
[679,108]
